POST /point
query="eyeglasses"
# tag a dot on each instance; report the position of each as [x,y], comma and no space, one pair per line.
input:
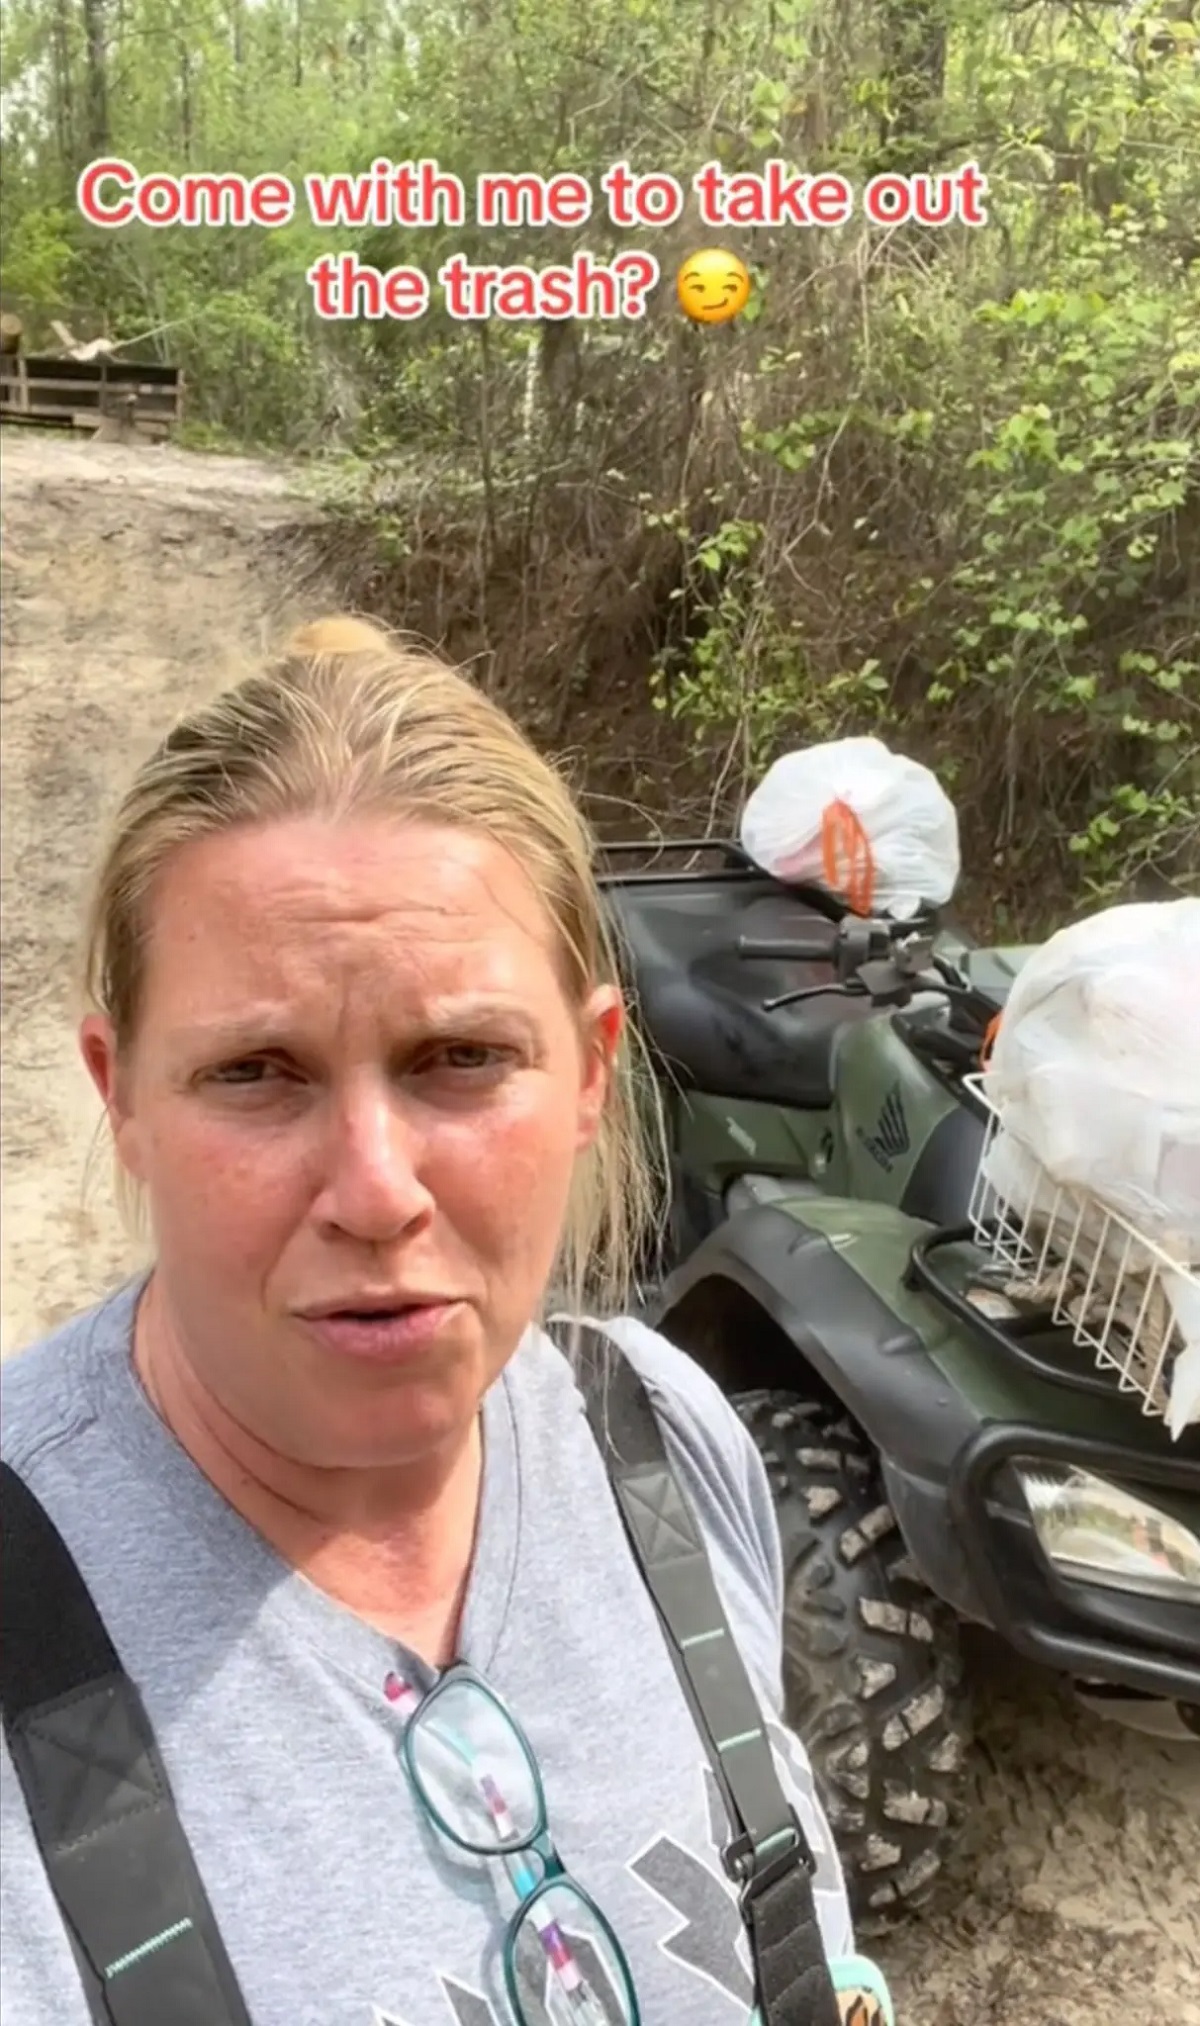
[473,1772]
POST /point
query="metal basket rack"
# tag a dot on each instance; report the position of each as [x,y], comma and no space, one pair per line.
[1089,1267]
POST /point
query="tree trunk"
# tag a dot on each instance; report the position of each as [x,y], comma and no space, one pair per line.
[97,78]
[913,40]
[64,103]
[185,105]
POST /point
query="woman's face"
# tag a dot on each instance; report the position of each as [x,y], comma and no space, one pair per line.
[355,1100]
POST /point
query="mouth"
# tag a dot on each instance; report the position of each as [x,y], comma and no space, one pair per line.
[380,1328]
[370,1307]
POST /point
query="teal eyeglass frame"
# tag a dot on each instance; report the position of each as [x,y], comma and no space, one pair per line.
[537,1842]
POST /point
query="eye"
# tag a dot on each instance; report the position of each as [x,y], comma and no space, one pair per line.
[249,1072]
[468,1064]
[468,1057]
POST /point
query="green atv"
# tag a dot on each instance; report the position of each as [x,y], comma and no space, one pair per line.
[936,1449]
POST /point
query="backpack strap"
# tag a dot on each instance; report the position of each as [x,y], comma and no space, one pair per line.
[144,1936]
[769,1857]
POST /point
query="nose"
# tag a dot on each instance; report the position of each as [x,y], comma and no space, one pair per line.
[372,1188]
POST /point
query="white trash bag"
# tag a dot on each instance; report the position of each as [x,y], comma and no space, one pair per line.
[1096,1071]
[1183,1406]
[875,828]
[1096,1064]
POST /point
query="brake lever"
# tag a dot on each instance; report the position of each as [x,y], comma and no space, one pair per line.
[849,990]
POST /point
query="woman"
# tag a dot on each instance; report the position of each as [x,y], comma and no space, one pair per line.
[358,1036]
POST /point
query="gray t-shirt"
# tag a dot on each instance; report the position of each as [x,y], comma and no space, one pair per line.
[338,1905]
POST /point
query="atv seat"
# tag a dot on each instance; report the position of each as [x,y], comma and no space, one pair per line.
[701,1001]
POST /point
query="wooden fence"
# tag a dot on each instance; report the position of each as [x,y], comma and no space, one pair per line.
[144,399]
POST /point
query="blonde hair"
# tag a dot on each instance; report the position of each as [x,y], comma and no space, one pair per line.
[348,719]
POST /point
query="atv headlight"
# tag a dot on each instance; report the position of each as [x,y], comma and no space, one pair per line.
[1096,1532]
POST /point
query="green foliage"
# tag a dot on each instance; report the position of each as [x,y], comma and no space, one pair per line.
[745,670]
[943,485]
[1001,447]
[38,257]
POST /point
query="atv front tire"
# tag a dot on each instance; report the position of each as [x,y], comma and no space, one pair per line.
[871,1662]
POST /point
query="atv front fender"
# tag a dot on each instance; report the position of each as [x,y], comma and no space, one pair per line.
[832,1276]
[814,1294]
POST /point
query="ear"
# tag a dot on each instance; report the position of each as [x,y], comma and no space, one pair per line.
[98,1046]
[603,1024]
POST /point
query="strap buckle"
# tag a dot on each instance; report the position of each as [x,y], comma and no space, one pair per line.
[757,1867]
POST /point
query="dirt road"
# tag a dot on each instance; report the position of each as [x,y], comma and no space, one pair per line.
[133,581]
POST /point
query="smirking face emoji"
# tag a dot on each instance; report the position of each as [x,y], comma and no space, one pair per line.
[713,286]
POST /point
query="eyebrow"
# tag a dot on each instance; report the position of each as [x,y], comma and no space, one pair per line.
[274,1027]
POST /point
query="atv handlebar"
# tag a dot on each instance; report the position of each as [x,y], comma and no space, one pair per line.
[822,952]
[888,963]
[881,960]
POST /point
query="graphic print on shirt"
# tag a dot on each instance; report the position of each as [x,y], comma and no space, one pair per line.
[467,2007]
[708,1935]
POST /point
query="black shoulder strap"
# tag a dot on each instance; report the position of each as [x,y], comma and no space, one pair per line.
[145,1939]
[769,1856]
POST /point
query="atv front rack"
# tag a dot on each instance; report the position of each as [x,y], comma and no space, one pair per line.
[1123,1296]
[723,857]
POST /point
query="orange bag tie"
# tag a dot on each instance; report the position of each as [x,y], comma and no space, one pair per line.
[846,856]
[989,1039]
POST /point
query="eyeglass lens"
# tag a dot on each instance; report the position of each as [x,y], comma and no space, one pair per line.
[474,1770]
[565,1967]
